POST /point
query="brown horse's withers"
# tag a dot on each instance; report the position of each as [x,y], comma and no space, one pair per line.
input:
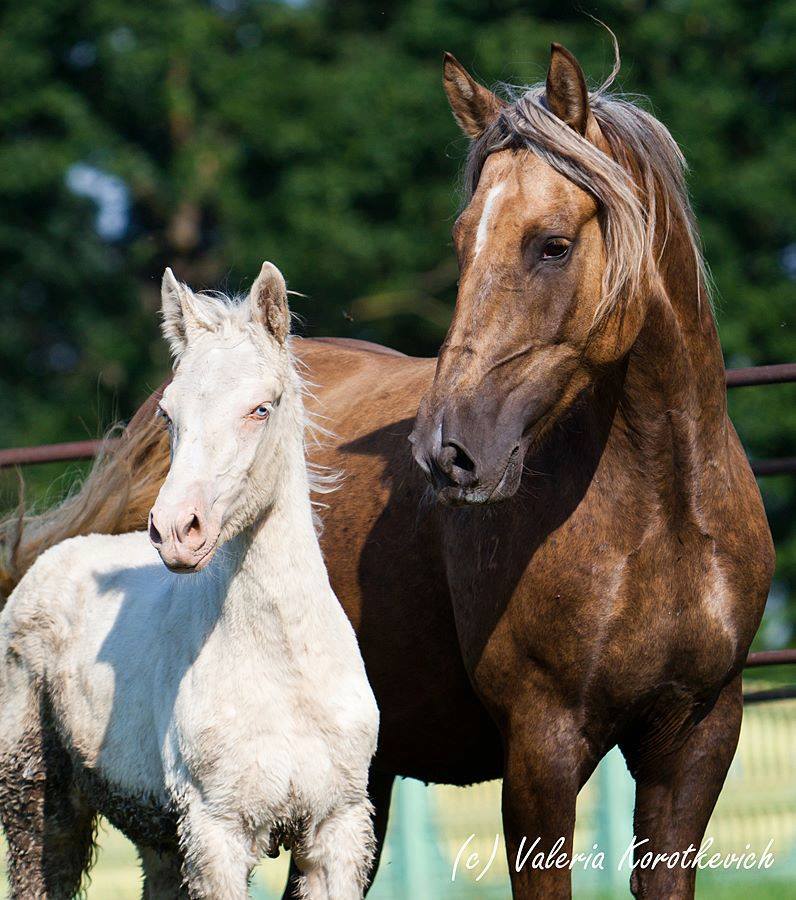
[612,596]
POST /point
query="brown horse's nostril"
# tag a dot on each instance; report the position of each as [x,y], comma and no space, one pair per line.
[154,534]
[452,466]
[460,458]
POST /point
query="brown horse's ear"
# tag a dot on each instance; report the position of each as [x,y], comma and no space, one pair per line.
[268,299]
[567,94]
[474,107]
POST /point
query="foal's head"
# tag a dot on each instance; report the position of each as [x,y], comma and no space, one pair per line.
[234,397]
[557,250]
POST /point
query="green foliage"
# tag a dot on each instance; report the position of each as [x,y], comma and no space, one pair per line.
[317,135]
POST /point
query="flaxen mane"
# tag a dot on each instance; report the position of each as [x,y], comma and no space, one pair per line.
[114,499]
[640,187]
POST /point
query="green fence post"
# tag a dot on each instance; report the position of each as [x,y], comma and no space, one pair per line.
[614,819]
[413,837]
[258,892]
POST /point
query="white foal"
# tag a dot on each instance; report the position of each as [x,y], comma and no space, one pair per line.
[211,716]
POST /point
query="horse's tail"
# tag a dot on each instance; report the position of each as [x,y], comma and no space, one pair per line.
[115,498]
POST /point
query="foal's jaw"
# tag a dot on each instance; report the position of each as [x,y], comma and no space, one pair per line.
[186,564]
[189,568]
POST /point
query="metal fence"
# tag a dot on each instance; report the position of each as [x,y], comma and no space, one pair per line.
[757,375]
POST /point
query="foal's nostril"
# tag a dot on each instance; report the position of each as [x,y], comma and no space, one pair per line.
[189,530]
[460,458]
[154,534]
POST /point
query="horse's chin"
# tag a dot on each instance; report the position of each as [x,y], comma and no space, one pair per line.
[190,567]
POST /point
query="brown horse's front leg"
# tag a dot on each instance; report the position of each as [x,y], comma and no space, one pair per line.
[675,796]
[546,761]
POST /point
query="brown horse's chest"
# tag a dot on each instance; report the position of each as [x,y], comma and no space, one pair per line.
[595,624]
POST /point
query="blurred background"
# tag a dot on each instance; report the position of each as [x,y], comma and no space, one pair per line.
[211,134]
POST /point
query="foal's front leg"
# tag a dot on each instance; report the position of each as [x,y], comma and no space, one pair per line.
[49,828]
[380,793]
[162,875]
[218,854]
[336,861]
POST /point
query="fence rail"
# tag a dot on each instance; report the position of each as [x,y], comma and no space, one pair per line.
[48,453]
[771,658]
[780,374]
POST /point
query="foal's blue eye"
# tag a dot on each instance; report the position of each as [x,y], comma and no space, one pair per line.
[262,411]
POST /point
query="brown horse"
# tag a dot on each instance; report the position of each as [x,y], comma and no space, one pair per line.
[612,595]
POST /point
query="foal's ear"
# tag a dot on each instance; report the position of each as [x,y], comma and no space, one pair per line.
[567,94]
[268,299]
[177,310]
[474,107]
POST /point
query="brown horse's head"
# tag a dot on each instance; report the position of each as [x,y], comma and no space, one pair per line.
[556,256]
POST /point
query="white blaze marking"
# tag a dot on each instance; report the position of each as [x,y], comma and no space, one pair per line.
[483,225]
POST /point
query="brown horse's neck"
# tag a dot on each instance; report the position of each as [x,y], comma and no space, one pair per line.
[674,396]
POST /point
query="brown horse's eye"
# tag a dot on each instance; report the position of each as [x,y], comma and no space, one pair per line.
[555,248]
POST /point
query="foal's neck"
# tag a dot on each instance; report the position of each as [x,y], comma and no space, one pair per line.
[275,574]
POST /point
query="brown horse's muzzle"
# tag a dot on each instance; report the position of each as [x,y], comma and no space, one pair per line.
[470,454]
[474,427]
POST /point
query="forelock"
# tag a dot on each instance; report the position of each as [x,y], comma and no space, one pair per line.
[224,317]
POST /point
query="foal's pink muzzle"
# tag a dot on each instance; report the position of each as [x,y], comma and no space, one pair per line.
[182,537]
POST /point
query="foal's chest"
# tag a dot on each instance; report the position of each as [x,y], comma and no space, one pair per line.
[250,731]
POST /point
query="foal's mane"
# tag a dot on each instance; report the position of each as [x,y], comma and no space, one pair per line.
[118,492]
[640,187]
